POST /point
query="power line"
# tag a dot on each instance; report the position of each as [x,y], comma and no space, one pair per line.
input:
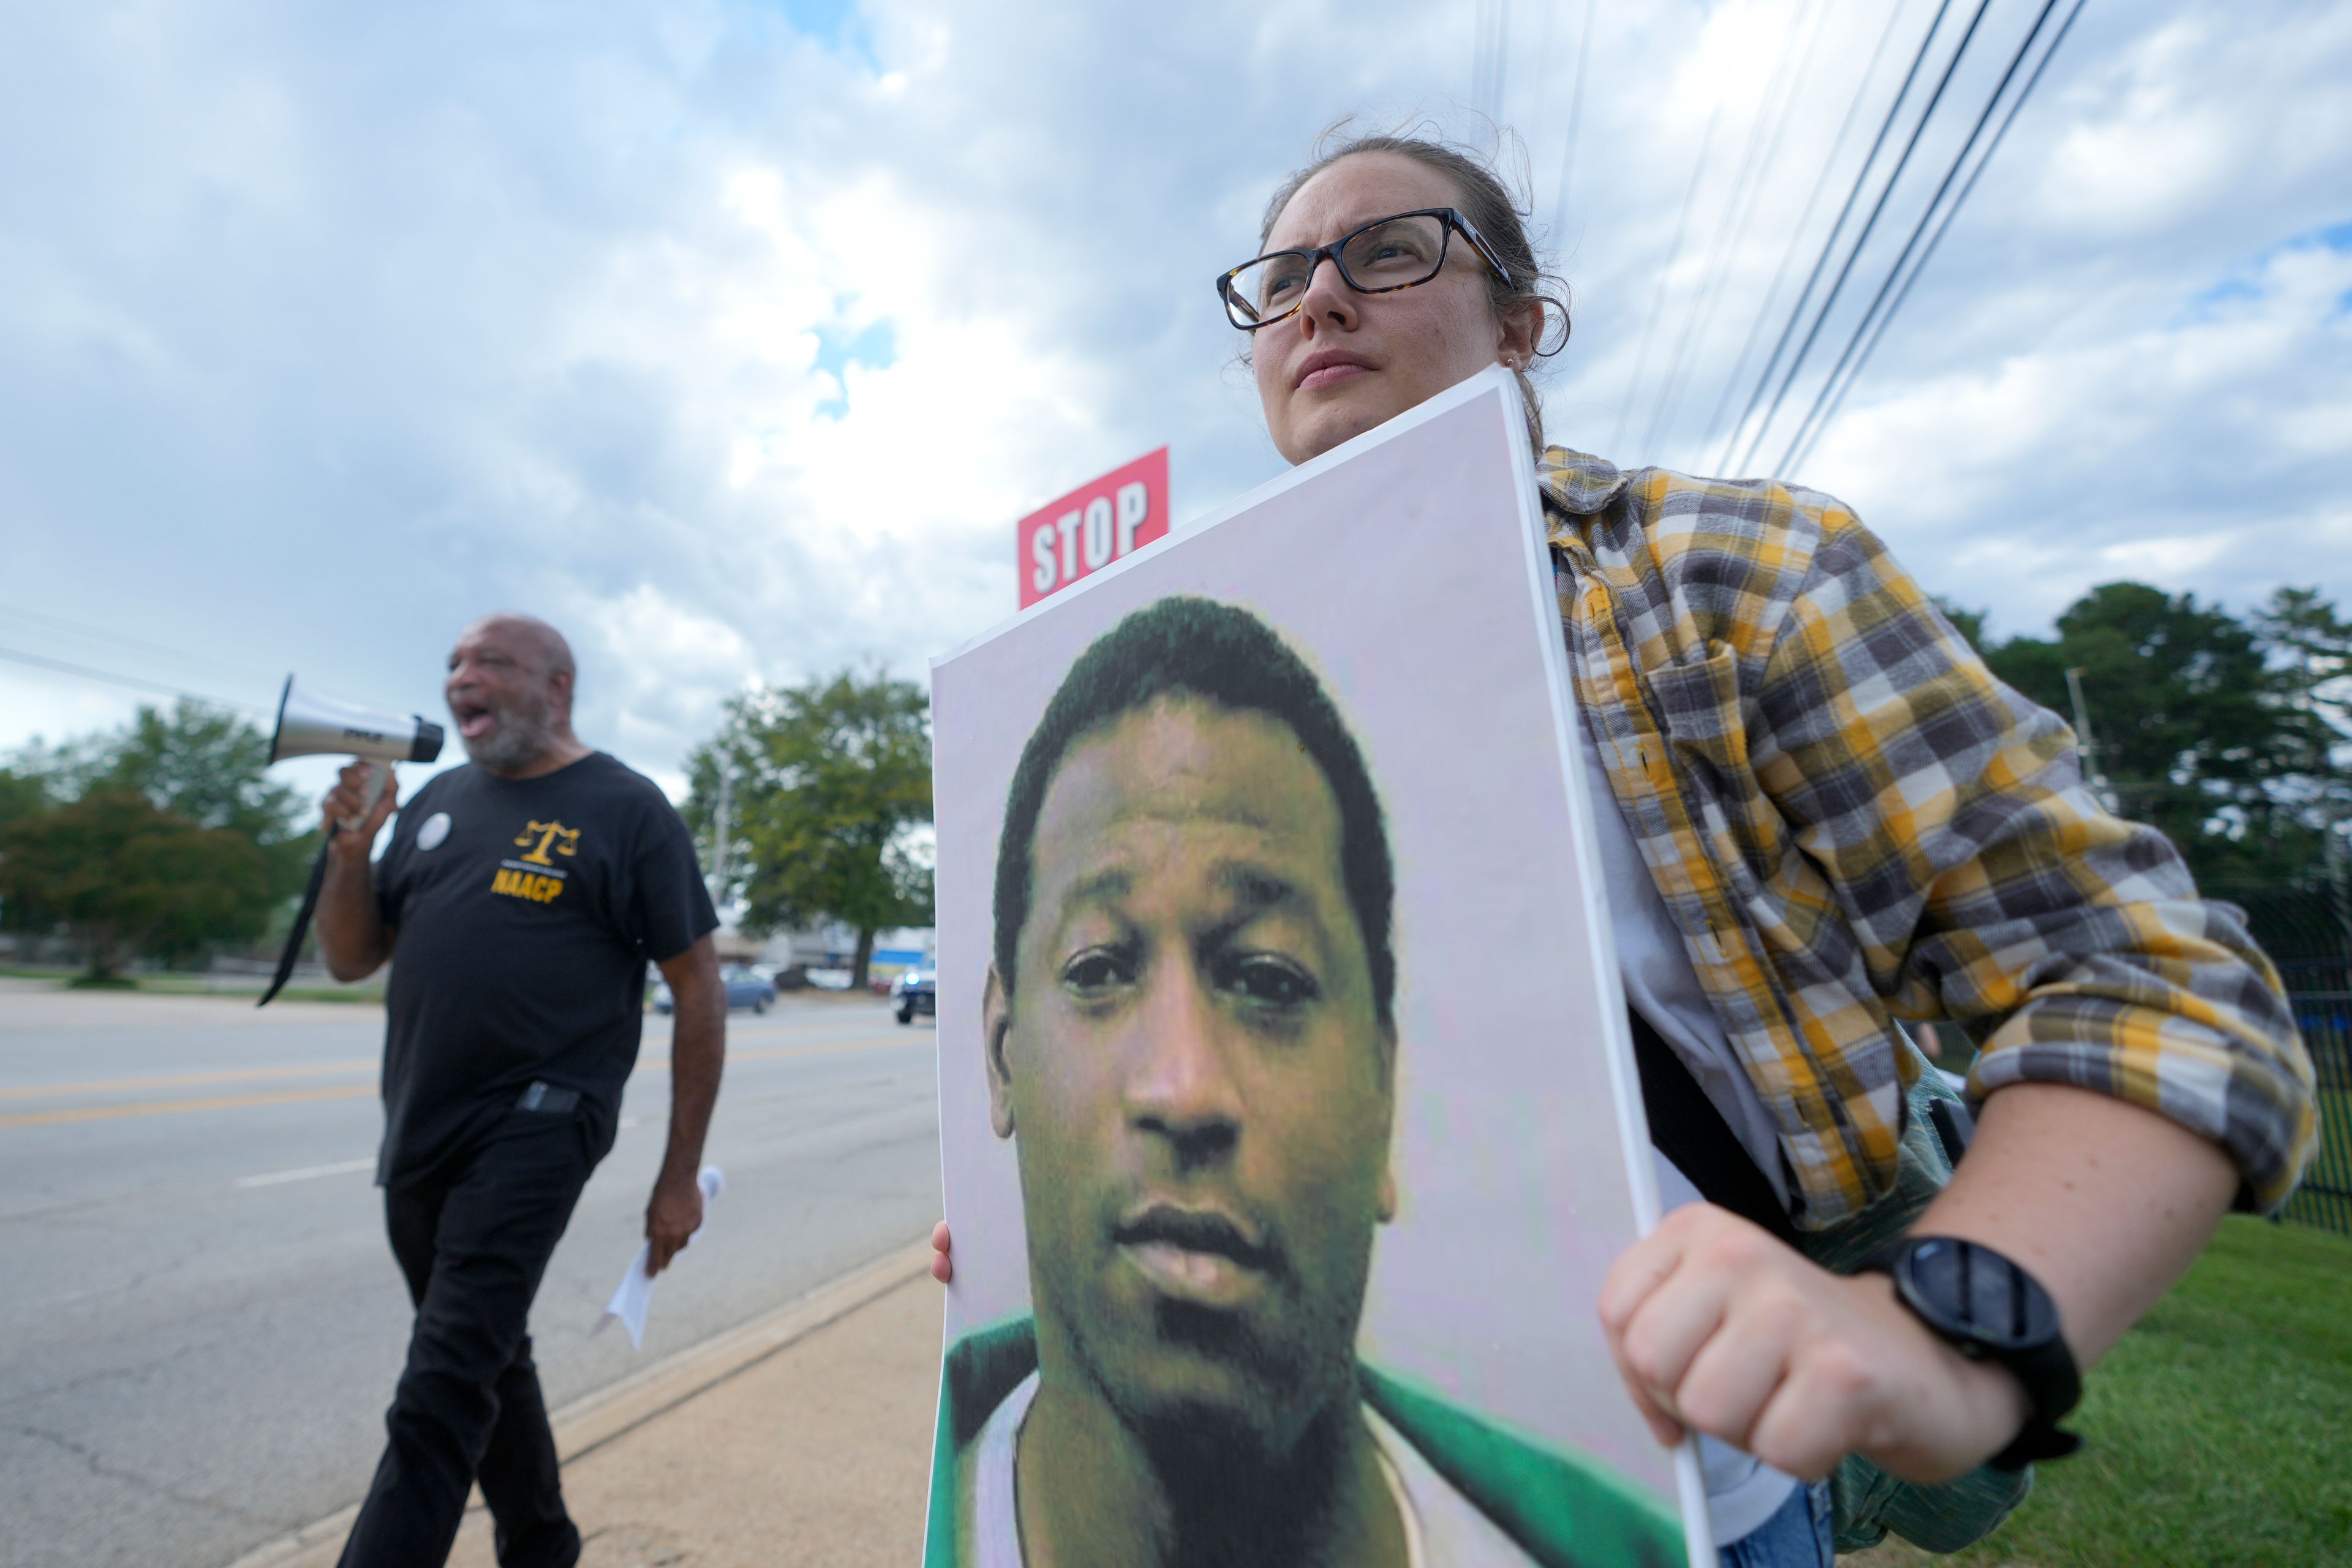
[88,673]
[1746,181]
[1490,57]
[1788,252]
[1934,201]
[1926,255]
[1575,112]
[83,628]
[1861,237]
[1829,242]
[1658,300]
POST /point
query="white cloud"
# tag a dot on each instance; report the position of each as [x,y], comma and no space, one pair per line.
[320,333]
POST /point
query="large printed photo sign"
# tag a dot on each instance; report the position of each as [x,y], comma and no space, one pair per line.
[1287,1119]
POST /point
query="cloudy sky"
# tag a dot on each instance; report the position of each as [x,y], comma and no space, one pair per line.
[733,337]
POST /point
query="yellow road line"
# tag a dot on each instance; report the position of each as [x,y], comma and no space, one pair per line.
[175,1107]
[187,1079]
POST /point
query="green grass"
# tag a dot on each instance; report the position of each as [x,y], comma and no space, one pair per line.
[2220,1431]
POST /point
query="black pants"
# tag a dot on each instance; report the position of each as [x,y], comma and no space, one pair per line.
[473,1240]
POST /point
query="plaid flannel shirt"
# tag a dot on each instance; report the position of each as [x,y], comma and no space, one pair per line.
[1853,821]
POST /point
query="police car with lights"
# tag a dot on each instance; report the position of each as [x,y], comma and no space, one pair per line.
[916,991]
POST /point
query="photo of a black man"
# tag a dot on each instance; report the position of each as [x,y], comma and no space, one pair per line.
[1191,1038]
[1288,1122]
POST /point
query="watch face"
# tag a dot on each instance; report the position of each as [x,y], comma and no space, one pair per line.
[1976,1293]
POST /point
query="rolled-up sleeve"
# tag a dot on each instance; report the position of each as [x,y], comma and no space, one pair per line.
[1985,883]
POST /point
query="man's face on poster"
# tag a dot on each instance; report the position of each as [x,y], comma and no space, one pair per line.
[1194,1064]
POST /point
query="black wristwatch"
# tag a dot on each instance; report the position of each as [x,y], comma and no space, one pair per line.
[1991,1310]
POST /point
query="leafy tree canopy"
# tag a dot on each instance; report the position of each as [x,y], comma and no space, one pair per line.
[129,879]
[21,795]
[829,781]
[2229,735]
[197,765]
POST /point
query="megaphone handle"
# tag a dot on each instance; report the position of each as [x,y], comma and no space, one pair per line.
[378,776]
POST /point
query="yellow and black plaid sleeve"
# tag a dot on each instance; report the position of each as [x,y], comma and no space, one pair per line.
[1979,879]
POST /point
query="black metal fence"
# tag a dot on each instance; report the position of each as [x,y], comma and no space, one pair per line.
[2308,934]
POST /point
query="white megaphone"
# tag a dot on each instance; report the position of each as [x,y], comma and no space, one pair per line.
[311,725]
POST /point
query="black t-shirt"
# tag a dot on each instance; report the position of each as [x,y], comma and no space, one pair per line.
[526,910]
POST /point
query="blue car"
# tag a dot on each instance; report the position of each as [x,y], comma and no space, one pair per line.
[745,988]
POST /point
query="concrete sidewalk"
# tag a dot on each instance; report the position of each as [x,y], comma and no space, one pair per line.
[803,1437]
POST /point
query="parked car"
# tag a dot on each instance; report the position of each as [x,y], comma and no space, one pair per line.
[746,987]
[916,990]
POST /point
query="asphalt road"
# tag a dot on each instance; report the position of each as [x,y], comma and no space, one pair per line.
[200,1320]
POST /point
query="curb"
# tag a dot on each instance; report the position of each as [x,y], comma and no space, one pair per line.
[589,1423]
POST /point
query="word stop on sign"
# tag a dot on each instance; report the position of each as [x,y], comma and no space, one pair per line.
[1094,525]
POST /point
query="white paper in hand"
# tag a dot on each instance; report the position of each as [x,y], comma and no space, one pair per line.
[636,1293]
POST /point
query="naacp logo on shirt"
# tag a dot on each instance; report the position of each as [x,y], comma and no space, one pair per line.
[535,876]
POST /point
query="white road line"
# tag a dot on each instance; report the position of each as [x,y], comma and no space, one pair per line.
[342,1168]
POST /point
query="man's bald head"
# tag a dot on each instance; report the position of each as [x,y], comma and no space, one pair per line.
[516,631]
[510,688]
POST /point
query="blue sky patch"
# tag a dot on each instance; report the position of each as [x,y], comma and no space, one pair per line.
[835,23]
[2242,283]
[837,348]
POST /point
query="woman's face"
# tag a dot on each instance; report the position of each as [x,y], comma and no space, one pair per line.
[1346,362]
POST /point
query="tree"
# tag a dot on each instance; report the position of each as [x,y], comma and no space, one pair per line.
[23,793]
[202,766]
[212,768]
[128,878]
[828,780]
[2196,722]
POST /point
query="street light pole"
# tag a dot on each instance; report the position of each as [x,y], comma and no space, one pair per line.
[722,831]
[2083,733]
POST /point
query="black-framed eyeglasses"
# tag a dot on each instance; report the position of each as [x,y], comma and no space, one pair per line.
[1401,251]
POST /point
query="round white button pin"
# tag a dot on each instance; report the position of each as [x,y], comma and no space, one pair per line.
[435,828]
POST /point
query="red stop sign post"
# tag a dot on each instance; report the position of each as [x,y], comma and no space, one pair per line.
[1091,527]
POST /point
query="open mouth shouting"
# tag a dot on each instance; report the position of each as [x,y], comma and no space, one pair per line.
[476,719]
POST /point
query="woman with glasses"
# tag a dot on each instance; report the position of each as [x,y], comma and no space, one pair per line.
[1830,814]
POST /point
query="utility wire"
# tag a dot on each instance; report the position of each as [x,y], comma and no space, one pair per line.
[1658,300]
[81,628]
[88,673]
[1829,384]
[1478,56]
[1575,113]
[1861,237]
[1755,165]
[1829,242]
[1490,57]
[1788,252]
[1542,57]
[1829,411]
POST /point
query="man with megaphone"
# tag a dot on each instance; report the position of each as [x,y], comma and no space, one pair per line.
[523,895]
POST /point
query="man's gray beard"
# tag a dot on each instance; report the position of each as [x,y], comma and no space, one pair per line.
[522,736]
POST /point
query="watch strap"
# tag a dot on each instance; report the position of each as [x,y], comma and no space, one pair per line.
[2047,1372]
